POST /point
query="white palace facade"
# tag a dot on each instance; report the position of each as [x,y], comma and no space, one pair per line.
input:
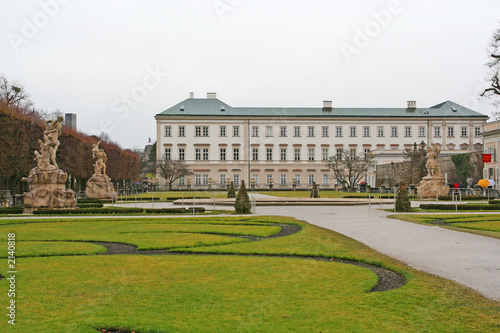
[286,146]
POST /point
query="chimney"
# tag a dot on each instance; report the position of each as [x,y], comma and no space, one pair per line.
[327,106]
[211,95]
[412,104]
[191,95]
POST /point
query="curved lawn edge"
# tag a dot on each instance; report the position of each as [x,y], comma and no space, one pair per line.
[387,279]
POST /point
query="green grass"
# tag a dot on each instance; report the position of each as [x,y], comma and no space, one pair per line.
[211,293]
[485,225]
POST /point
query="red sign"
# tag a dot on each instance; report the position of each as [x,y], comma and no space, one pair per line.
[486,158]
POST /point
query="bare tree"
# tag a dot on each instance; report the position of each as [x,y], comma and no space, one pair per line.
[494,64]
[414,164]
[172,170]
[13,94]
[349,168]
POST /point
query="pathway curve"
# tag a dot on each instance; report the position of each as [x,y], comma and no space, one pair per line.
[466,258]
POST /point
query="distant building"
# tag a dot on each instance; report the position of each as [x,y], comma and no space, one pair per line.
[292,145]
[491,137]
[70,120]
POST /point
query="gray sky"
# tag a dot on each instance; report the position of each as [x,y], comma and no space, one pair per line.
[118,63]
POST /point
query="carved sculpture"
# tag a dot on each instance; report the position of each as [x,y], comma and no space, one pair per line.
[46,181]
[99,185]
[433,183]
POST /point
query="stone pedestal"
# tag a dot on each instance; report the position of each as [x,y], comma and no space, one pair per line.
[100,187]
[47,190]
[429,186]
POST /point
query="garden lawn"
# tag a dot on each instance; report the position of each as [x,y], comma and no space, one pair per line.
[222,293]
[480,224]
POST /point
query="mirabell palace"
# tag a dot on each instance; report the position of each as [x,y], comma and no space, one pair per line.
[284,146]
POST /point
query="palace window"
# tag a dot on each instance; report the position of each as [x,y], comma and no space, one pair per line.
[283,154]
[310,154]
[269,154]
[255,154]
[296,154]
[366,131]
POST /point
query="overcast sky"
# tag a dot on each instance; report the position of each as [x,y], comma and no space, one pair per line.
[118,63]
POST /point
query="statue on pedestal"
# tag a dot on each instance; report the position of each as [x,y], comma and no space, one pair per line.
[433,184]
[46,181]
[99,185]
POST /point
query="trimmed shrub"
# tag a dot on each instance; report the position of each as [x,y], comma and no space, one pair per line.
[464,198]
[460,207]
[79,201]
[314,191]
[231,193]
[128,197]
[402,200]
[242,204]
[174,210]
[11,210]
[90,205]
[179,198]
[89,211]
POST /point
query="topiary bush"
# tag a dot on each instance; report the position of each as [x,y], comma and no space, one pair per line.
[231,193]
[242,204]
[402,200]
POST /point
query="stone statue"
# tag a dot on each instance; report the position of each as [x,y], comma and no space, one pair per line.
[432,166]
[99,185]
[100,155]
[51,137]
[46,181]
[432,184]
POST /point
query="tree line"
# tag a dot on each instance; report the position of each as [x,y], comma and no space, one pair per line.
[21,126]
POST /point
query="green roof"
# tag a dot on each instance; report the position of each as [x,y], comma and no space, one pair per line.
[213,107]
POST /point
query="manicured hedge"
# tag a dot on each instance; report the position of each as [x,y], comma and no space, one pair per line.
[174,210]
[179,198]
[11,210]
[128,197]
[89,211]
[91,201]
[460,207]
[90,205]
[464,198]
[107,211]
